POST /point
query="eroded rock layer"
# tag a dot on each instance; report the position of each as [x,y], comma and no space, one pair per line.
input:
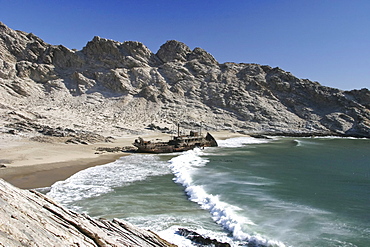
[109,86]
[28,218]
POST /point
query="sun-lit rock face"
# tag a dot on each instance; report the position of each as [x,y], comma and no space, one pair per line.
[109,86]
[28,218]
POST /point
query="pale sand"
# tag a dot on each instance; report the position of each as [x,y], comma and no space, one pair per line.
[31,164]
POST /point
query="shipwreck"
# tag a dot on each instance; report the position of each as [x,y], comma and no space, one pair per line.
[178,143]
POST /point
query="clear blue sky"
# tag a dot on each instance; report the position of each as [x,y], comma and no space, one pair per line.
[322,40]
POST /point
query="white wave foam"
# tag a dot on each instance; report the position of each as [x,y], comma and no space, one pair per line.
[223,213]
[298,143]
[240,141]
[170,234]
[257,183]
[305,142]
[102,179]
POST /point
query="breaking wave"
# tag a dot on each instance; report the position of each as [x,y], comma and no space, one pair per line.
[102,179]
[222,213]
[240,141]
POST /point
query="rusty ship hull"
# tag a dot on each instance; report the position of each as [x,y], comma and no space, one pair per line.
[177,144]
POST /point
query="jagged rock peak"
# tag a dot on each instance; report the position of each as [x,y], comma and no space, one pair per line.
[100,45]
[19,35]
[202,56]
[3,27]
[130,47]
[20,46]
[239,97]
[138,51]
[117,54]
[173,50]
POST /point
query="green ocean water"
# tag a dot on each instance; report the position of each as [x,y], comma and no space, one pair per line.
[248,192]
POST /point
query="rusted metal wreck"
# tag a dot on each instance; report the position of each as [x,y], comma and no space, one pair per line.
[178,143]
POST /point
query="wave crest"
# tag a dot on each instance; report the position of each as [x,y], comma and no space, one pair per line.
[224,214]
[99,180]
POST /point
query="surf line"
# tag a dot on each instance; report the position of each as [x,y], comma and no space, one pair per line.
[222,213]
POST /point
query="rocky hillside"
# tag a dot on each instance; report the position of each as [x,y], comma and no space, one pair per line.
[28,218]
[114,88]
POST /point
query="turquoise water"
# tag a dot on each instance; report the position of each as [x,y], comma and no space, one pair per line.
[279,192]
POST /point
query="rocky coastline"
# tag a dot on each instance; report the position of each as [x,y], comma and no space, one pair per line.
[87,100]
[28,218]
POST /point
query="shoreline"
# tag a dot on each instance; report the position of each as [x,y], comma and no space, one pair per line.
[30,164]
[45,175]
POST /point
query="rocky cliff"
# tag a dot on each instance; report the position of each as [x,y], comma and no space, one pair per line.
[110,87]
[28,218]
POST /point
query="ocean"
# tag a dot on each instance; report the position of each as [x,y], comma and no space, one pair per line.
[247,192]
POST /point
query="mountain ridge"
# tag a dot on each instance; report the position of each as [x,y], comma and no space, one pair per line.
[108,86]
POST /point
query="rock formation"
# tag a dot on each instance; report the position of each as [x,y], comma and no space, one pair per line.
[200,240]
[111,88]
[28,218]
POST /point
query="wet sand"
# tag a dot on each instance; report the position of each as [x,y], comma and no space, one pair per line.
[31,164]
[44,175]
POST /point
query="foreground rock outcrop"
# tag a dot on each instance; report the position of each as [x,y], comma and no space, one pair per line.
[111,88]
[28,218]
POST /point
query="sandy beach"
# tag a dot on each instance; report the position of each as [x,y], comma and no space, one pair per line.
[31,164]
